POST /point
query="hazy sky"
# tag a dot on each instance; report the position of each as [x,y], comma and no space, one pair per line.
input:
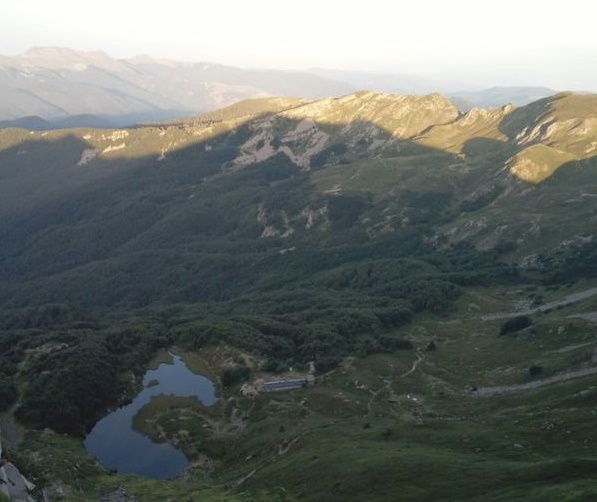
[505,42]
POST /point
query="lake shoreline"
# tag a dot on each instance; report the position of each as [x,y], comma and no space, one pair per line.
[116,443]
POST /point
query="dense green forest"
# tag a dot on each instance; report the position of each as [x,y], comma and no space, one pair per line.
[315,305]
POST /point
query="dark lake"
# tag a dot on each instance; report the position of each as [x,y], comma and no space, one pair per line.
[115,443]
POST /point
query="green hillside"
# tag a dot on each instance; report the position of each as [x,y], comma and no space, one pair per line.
[434,269]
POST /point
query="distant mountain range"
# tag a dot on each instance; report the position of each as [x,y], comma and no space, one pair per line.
[54,83]
[37,123]
[399,83]
[499,96]
[51,87]
[464,100]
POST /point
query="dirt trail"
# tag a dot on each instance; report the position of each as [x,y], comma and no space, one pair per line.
[282,450]
[285,447]
[11,432]
[413,368]
[511,389]
[387,385]
[564,302]
[587,316]
[570,348]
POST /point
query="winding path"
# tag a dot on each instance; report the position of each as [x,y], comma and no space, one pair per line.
[511,389]
[10,431]
[564,302]
[416,363]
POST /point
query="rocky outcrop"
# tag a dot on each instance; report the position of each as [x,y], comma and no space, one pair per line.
[13,484]
[566,122]
[117,495]
[359,124]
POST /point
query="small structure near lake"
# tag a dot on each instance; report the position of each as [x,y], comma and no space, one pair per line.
[288,384]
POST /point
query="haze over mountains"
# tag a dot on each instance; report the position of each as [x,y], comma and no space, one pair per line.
[54,83]
[51,87]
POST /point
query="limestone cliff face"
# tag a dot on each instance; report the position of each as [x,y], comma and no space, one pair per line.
[364,123]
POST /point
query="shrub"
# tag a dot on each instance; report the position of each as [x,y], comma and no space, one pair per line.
[8,392]
[234,375]
[515,324]
[535,370]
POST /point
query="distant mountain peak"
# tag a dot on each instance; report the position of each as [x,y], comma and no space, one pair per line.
[499,96]
[62,58]
[146,59]
[45,50]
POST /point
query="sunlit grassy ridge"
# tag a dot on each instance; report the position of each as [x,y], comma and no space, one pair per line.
[477,124]
[538,162]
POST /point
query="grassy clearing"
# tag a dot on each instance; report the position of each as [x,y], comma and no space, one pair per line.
[161,357]
[196,429]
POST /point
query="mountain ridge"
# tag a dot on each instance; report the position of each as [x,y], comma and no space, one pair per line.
[351,148]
